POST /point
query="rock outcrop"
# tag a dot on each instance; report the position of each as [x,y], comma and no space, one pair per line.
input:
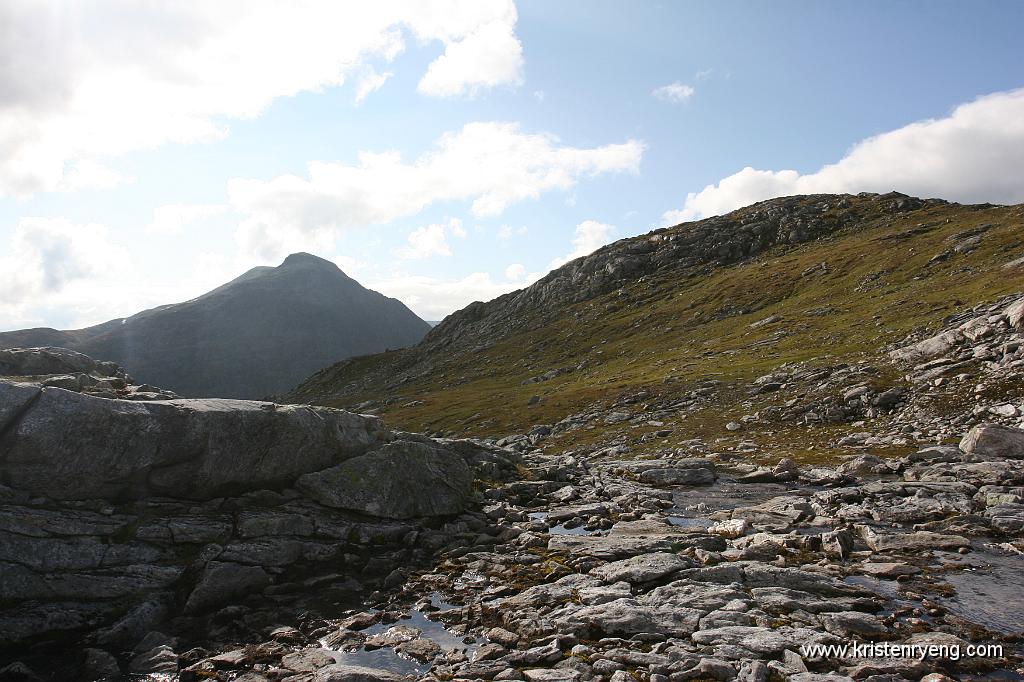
[116,515]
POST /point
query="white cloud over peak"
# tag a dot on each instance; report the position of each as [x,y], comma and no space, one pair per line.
[431,240]
[589,237]
[83,82]
[976,154]
[674,92]
[492,165]
[433,299]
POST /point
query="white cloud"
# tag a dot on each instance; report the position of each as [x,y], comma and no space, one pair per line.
[488,55]
[88,174]
[82,82]
[456,228]
[976,154]
[493,165]
[369,82]
[674,92]
[431,240]
[174,218]
[348,264]
[45,256]
[515,272]
[433,299]
[506,232]
[590,236]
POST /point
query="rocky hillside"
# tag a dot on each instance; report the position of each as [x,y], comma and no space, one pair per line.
[252,337]
[764,329]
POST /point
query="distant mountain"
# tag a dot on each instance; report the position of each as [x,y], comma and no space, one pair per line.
[257,335]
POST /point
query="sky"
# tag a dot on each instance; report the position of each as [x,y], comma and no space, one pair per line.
[448,151]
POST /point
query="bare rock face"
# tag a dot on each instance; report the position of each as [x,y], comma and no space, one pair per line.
[402,479]
[68,445]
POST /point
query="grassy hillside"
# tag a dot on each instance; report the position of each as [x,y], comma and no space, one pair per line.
[837,299]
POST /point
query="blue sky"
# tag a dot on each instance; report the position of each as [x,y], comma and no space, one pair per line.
[462,149]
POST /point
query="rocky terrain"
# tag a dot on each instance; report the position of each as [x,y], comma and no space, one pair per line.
[782,444]
[254,336]
[663,568]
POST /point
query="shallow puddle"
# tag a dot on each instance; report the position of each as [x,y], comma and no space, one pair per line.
[390,660]
[723,495]
[989,591]
[689,521]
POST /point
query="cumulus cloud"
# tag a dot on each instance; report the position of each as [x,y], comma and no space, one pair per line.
[976,154]
[89,174]
[507,232]
[674,92]
[493,165]
[47,255]
[589,237]
[431,240]
[515,272]
[369,82]
[83,82]
[432,298]
[489,55]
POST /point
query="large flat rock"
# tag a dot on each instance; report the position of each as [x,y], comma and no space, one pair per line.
[67,445]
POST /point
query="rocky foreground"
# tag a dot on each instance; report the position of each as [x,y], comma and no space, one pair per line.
[410,558]
[124,511]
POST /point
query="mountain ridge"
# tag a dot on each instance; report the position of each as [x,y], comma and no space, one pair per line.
[815,279]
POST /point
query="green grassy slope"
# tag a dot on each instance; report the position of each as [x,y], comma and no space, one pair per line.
[838,299]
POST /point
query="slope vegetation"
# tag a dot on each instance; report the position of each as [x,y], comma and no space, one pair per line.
[687,320]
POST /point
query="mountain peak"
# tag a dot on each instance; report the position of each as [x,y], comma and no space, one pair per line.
[302,258]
